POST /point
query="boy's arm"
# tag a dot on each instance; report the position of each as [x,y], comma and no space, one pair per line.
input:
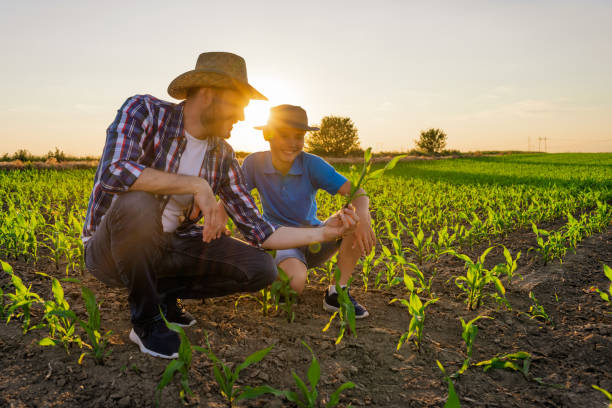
[364,235]
[344,221]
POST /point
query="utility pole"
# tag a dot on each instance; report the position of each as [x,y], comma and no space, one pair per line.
[540,144]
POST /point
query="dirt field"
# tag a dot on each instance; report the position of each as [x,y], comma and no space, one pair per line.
[569,357]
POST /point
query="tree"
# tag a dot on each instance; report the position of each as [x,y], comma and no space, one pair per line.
[337,137]
[432,140]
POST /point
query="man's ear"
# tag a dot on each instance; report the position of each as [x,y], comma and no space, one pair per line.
[206,96]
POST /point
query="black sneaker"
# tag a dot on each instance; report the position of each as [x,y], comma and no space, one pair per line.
[156,339]
[176,313]
[330,303]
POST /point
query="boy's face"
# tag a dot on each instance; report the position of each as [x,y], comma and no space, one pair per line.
[286,144]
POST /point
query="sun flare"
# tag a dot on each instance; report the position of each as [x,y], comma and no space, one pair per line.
[244,136]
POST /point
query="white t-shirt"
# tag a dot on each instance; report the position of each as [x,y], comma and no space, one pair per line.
[189,164]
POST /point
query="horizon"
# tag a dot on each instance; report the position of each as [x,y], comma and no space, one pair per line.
[495,76]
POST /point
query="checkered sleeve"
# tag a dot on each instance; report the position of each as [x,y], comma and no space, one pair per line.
[119,163]
[241,206]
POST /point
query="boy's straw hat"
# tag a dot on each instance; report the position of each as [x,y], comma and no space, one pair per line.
[218,70]
[287,116]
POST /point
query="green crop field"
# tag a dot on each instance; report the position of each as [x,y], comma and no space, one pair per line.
[436,223]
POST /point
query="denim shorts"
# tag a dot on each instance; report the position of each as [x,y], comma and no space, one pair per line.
[311,255]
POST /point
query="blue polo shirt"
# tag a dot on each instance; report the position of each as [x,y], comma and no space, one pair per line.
[289,200]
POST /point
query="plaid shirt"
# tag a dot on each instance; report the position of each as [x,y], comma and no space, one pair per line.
[148,132]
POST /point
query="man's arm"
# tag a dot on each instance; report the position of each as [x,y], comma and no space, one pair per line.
[159,182]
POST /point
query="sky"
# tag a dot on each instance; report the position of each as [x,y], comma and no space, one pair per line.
[494,75]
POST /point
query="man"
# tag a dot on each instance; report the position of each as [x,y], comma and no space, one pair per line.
[287,180]
[160,170]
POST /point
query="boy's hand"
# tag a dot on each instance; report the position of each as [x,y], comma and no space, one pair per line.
[364,237]
[341,223]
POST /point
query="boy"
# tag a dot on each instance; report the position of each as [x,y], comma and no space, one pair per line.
[287,180]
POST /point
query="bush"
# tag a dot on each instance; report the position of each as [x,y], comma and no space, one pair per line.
[432,141]
[337,138]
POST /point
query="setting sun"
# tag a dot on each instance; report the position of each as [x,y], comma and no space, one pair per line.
[244,137]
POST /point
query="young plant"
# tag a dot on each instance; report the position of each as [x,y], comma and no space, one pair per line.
[264,299]
[283,295]
[424,284]
[22,300]
[416,308]
[470,330]
[422,246]
[510,361]
[367,263]
[61,321]
[604,392]
[346,314]
[180,365]
[359,179]
[511,264]
[536,311]
[607,297]
[98,341]
[453,400]
[476,278]
[308,396]
[226,378]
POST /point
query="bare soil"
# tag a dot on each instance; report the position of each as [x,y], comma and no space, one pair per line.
[568,357]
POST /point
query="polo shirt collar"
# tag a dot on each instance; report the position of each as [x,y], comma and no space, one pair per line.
[297,168]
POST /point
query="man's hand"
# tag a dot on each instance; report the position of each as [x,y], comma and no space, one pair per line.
[214,215]
[341,223]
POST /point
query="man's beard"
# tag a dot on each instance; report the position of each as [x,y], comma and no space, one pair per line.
[213,122]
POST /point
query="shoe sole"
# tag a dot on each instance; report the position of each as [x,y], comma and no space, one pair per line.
[134,337]
[329,308]
[194,321]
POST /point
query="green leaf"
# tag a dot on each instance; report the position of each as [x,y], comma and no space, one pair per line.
[47,341]
[334,399]
[254,392]
[608,271]
[253,358]
[171,368]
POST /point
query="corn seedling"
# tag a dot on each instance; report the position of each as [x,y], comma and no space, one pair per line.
[367,263]
[453,400]
[476,278]
[607,297]
[308,396]
[98,341]
[416,308]
[283,295]
[536,311]
[511,264]
[264,299]
[604,392]
[346,314]
[424,284]
[553,247]
[422,246]
[359,179]
[61,321]
[20,302]
[226,378]
[470,330]
[180,365]
[510,361]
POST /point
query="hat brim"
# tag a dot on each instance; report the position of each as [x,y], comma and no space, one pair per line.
[207,78]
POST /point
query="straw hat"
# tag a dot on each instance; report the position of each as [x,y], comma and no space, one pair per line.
[215,69]
[287,116]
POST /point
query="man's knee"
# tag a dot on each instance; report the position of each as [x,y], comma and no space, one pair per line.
[137,206]
[267,271]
